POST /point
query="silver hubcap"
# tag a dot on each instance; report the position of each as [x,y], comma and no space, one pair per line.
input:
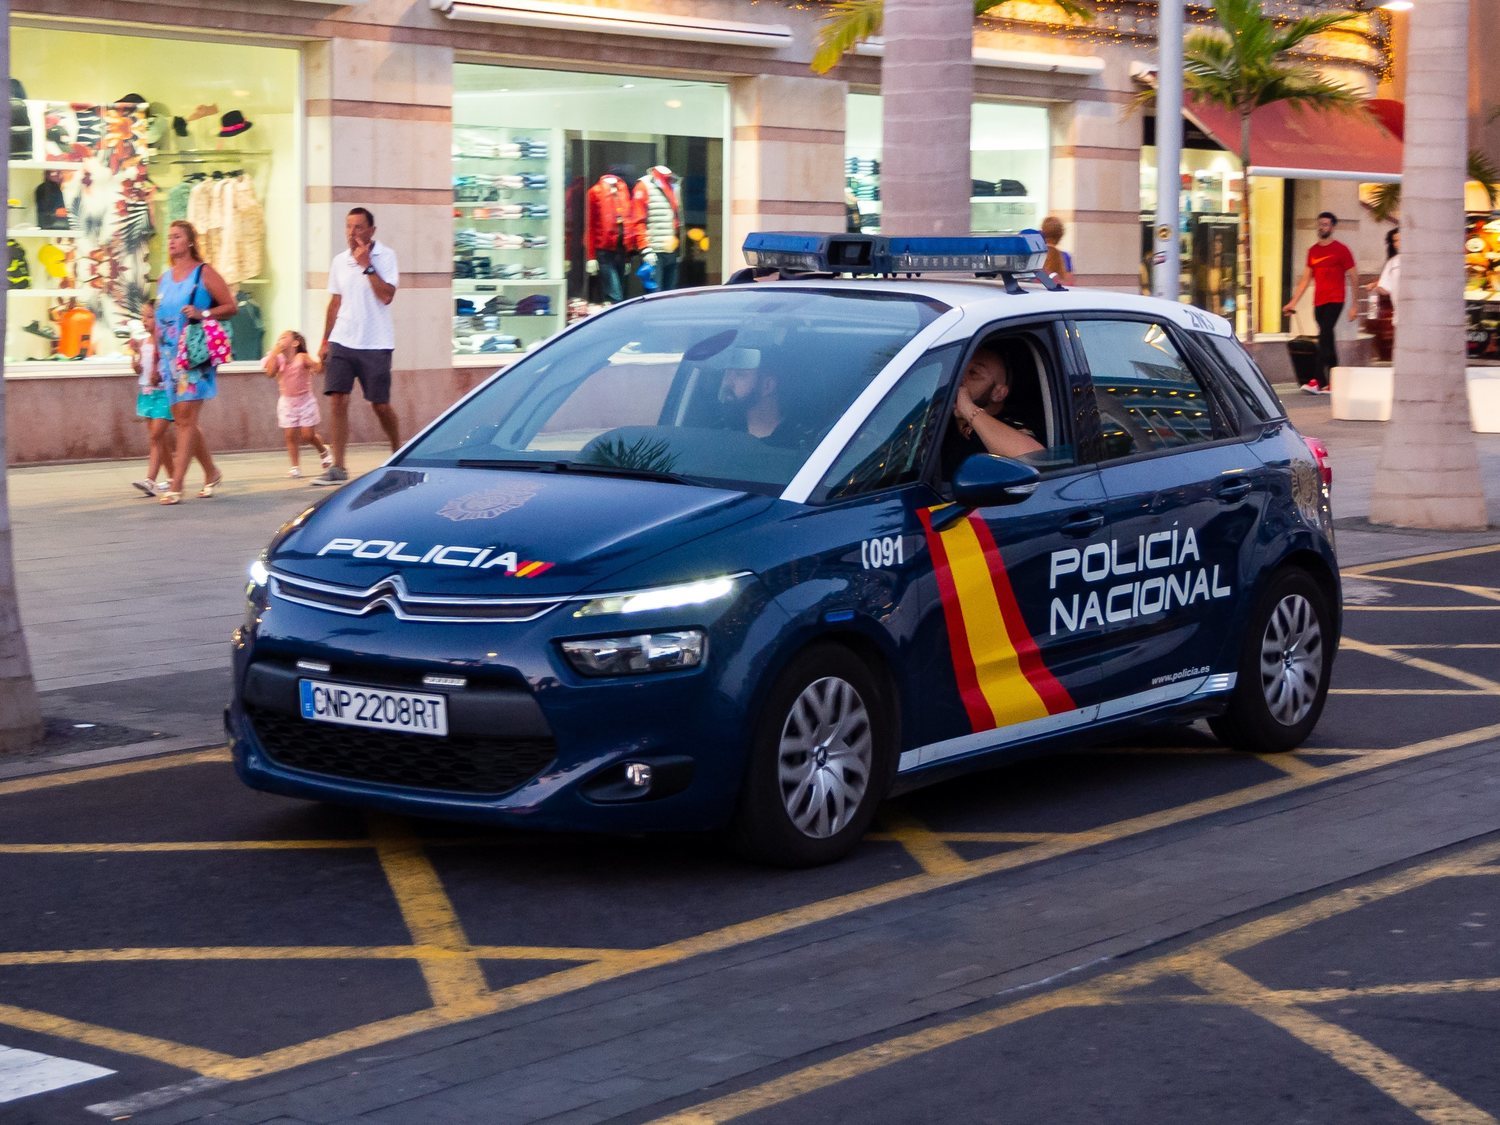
[823,761]
[1291,660]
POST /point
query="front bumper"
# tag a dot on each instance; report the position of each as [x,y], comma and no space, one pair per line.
[531,743]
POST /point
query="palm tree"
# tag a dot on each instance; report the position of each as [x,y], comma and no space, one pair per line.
[1428,474]
[1244,63]
[850,22]
[20,712]
[927,81]
[1385,200]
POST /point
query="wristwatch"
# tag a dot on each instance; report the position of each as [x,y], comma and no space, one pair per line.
[369,269]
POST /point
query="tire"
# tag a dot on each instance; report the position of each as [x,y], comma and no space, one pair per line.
[821,760]
[1284,668]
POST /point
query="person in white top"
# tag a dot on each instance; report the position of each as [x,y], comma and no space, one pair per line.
[358,336]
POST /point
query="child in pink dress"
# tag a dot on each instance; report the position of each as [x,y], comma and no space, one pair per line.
[293,367]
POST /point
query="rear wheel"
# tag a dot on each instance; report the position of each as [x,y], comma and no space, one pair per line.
[1283,670]
[821,761]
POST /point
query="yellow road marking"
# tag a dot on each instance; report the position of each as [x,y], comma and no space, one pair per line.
[1371,991]
[1292,766]
[1388,1074]
[1418,560]
[428,913]
[1471,647]
[209,1063]
[312,953]
[1423,664]
[1406,691]
[930,850]
[119,769]
[1477,591]
[184,846]
[615,966]
[1425,1097]
[1422,608]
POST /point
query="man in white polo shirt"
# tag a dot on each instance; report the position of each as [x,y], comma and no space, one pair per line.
[358,337]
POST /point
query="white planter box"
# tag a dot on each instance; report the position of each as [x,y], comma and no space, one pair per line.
[1364,394]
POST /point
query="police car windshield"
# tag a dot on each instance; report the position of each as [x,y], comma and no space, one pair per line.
[731,387]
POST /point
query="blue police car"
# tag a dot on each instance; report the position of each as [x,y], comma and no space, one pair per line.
[753,558]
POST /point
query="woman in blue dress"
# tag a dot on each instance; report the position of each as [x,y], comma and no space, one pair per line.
[189,290]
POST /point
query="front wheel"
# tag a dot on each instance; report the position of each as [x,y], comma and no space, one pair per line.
[821,761]
[1283,670]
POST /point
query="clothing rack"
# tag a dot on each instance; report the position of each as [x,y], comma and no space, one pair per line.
[211,156]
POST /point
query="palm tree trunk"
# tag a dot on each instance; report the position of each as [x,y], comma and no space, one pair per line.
[1247,260]
[20,712]
[1428,474]
[927,88]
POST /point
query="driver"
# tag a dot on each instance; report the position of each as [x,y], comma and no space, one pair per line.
[750,399]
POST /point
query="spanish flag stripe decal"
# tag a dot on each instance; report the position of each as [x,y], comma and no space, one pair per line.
[526,568]
[978,708]
[998,668]
[1053,694]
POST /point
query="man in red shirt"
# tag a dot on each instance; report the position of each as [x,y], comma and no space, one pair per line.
[1329,264]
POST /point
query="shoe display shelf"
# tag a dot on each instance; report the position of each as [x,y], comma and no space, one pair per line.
[491,178]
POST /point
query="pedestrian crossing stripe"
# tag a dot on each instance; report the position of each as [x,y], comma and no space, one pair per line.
[999,670]
[24,1073]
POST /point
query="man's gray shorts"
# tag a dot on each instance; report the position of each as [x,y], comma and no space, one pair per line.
[371,366]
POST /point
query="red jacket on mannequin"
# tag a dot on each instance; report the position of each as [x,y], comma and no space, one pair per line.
[609,221]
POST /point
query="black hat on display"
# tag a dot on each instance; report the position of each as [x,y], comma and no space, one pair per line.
[233,123]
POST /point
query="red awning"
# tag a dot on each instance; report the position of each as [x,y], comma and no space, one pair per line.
[1307,144]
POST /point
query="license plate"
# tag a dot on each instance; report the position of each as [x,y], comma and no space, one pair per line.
[376,708]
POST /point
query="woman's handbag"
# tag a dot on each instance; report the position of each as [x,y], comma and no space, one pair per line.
[203,343]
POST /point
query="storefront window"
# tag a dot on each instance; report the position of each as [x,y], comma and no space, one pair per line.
[1008,164]
[574,191]
[113,137]
[1210,199]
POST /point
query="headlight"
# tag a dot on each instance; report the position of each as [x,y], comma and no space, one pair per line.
[644,652]
[662,597]
[259,574]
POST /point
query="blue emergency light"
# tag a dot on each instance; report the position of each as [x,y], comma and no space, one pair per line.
[794,252]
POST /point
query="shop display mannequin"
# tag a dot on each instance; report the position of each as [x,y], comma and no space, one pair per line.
[610,232]
[658,212]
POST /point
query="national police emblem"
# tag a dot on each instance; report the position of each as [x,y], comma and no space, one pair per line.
[486,504]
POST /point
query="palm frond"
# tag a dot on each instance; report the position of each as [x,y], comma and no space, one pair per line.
[1385,201]
[849,22]
[1483,170]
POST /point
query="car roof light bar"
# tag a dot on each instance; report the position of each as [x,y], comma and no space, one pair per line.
[1002,255]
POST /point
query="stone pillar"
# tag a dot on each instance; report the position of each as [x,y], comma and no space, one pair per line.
[786,155]
[379,136]
[1096,188]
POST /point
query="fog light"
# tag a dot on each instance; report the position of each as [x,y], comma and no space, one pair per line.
[644,652]
[637,774]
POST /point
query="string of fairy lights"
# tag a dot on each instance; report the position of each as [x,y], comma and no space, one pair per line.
[1366,44]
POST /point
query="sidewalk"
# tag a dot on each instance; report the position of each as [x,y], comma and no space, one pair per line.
[128,605]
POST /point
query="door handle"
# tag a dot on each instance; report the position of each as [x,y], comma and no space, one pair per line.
[1234,490]
[1083,523]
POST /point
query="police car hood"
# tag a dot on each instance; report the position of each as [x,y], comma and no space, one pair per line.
[499,533]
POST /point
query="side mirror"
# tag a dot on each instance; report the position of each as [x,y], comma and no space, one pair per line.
[987,481]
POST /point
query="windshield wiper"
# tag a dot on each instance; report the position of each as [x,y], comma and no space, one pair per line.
[573,467]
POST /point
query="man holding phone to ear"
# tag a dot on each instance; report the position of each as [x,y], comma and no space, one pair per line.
[358,336]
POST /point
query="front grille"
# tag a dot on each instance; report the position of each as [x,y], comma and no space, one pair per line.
[390,594]
[455,764]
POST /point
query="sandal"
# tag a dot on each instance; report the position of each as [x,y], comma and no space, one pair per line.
[170,498]
[208,489]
